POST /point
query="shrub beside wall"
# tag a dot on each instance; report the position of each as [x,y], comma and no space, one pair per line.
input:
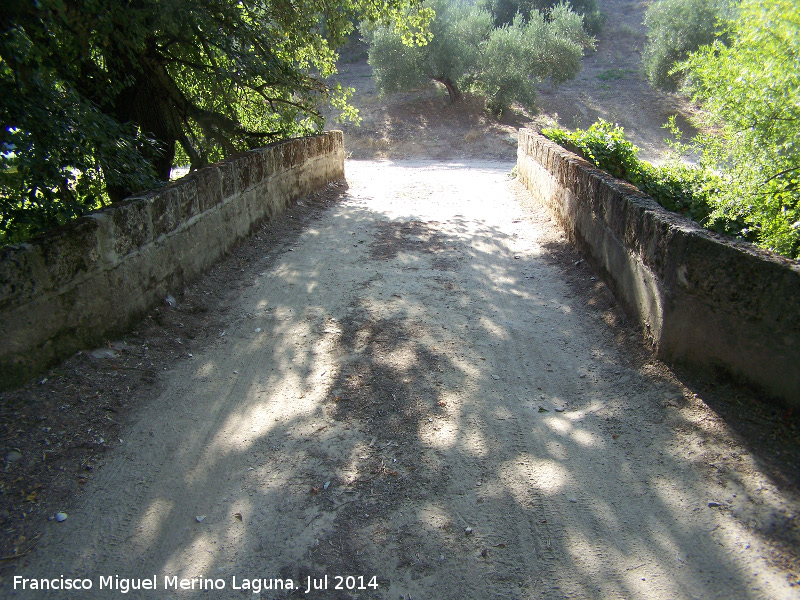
[73,287]
[701,299]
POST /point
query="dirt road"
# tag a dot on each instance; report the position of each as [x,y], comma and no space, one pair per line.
[418,391]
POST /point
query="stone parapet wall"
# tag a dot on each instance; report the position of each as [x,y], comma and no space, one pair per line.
[701,299]
[74,286]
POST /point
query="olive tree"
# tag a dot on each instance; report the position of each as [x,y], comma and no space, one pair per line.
[676,28]
[468,53]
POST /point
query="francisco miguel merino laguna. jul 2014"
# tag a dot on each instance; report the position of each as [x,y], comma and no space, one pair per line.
[255,585]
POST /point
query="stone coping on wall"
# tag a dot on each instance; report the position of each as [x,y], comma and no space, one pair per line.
[701,299]
[72,287]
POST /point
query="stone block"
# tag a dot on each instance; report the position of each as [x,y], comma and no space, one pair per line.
[205,188]
[227,176]
[132,226]
[22,274]
[165,210]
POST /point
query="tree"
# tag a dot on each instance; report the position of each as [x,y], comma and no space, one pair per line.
[677,28]
[749,91]
[96,96]
[505,11]
[457,32]
[467,53]
[515,58]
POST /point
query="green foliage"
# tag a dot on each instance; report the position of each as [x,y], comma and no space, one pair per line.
[742,62]
[95,96]
[457,33]
[603,144]
[59,151]
[676,186]
[684,189]
[675,29]
[518,56]
[505,11]
[502,65]
[749,90]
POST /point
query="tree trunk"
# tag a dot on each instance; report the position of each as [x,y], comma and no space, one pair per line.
[452,90]
[147,105]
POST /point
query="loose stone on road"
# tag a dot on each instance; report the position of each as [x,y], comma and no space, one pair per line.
[422,392]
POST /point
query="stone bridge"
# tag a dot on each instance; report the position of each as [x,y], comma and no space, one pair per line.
[425,392]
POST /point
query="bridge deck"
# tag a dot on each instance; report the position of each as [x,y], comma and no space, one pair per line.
[422,389]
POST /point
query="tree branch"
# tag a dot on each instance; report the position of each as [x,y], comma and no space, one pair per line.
[784,172]
[195,160]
